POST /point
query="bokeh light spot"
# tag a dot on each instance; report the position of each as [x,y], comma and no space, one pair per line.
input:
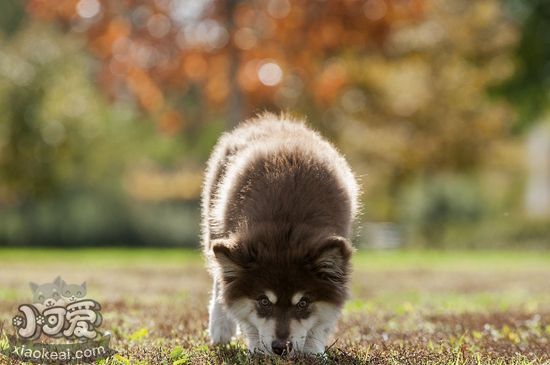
[88,8]
[375,9]
[245,38]
[278,8]
[53,133]
[270,73]
[159,25]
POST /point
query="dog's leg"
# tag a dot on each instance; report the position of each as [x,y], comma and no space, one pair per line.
[220,327]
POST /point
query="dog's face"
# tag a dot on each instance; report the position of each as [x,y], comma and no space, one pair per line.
[276,325]
[284,302]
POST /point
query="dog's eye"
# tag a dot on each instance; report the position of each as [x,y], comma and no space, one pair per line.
[303,303]
[264,301]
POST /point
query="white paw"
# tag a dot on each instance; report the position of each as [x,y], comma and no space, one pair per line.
[222,332]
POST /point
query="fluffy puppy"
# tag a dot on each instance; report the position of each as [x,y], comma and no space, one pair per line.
[278,204]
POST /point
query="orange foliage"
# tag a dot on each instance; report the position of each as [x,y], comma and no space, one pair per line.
[329,84]
[195,66]
[146,90]
[155,48]
[49,10]
[103,44]
[170,121]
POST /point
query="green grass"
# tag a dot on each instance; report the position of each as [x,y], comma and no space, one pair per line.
[452,260]
[103,256]
[406,307]
[368,260]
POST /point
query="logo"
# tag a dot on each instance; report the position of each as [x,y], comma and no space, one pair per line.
[65,319]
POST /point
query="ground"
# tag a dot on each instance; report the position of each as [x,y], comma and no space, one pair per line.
[407,307]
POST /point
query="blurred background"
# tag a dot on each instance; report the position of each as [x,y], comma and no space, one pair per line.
[109,110]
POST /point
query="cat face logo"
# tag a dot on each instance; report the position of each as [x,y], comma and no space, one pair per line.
[58,309]
[57,293]
[72,292]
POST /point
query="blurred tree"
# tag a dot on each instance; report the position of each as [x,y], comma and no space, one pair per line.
[56,131]
[401,85]
[529,88]
[421,106]
[436,204]
[231,55]
[12,13]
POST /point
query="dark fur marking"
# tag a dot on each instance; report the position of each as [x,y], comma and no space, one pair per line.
[278,204]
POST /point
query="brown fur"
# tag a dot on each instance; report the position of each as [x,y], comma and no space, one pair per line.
[278,206]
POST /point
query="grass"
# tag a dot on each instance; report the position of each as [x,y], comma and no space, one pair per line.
[407,307]
[366,260]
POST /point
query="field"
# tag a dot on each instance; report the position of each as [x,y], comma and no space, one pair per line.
[406,308]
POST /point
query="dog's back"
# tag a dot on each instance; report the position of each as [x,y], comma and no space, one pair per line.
[275,170]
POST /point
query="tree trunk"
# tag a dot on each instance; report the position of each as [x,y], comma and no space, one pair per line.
[235,101]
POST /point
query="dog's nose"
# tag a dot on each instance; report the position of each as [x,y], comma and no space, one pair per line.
[281,347]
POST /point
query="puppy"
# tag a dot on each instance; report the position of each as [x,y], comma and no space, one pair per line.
[278,204]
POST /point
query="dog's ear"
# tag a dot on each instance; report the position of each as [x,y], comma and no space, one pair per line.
[58,281]
[33,286]
[228,257]
[331,260]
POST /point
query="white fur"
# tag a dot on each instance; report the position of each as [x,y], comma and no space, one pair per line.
[266,331]
[271,296]
[259,332]
[299,331]
[220,326]
[307,336]
[319,335]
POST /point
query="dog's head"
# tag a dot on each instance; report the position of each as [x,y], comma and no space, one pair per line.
[286,296]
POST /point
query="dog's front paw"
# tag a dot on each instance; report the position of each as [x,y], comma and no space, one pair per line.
[222,332]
